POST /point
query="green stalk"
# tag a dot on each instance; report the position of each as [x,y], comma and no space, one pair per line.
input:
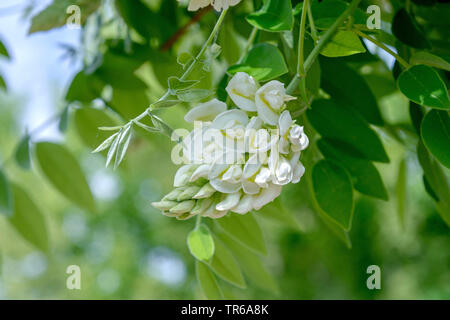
[321,44]
[193,64]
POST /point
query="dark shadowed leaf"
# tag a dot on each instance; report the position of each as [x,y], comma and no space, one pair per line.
[406,29]
[401,192]
[22,154]
[333,191]
[436,135]
[366,178]
[63,171]
[350,89]
[345,125]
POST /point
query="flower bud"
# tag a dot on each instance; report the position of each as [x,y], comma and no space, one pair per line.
[205,192]
[188,193]
[183,207]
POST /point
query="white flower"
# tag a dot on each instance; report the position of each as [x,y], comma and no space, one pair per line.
[242,89]
[298,138]
[206,111]
[270,100]
[194,5]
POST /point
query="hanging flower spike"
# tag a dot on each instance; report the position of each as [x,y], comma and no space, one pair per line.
[237,163]
[218,5]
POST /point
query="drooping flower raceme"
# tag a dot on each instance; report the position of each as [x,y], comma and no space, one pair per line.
[218,5]
[235,160]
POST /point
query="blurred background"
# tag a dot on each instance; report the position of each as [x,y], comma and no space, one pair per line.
[128,250]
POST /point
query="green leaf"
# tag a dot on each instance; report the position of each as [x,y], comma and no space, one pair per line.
[437,181]
[2,83]
[277,212]
[55,15]
[194,95]
[84,88]
[251,264]
[28,219]
[406,29]
[366,178]
[87,121]
[201,243]
[245,229]
[349,88]
[208,282]
[343,43]
[435,131]
[225,266]
[401,192]
[333,191]
[345,125]
[274,15]
[326,12]
[3,51]
[165,103]
[264,62]
[129,103]
[185,59]
[22,153]
[175,84]
[6,197]
[429,59]
[124,140]
[232,43]
[63,171]
[416,114]
[423,85]
[64,119]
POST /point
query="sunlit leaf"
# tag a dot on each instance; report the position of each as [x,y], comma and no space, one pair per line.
[245,229]
[264,62]
[201,243]
[28,220]
[343,43]
[225,265]
[423,85]
[88,120]
[63,171]
[22,154]
[208,282]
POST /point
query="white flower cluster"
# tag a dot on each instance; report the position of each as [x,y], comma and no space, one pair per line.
[238,159]
[218,5]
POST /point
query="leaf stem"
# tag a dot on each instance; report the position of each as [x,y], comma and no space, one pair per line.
[321,44]
[301,40]
[384,47]
[250,41]
[311,24]
[193,64]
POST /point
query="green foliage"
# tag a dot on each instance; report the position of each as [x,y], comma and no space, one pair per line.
[274,16]
[28,220]
[55,15]
[22,154]
[343,43]
[208,282]
[429,59]
[334,192]
[63,171]
[4,51]
[224,264]
[436,135]
[423,85]
[327,11]
[88,120]
[406,29]
[264,62]
[400,190]
[6,198]
[349,88]
[201,243]
[348,127]
[245,229]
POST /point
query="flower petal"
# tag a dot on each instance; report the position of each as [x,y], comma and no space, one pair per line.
[206,111]
[267,195]
[241,89]
[230,201]
[245,205]
[224,186]
[230,118]
[284,122]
